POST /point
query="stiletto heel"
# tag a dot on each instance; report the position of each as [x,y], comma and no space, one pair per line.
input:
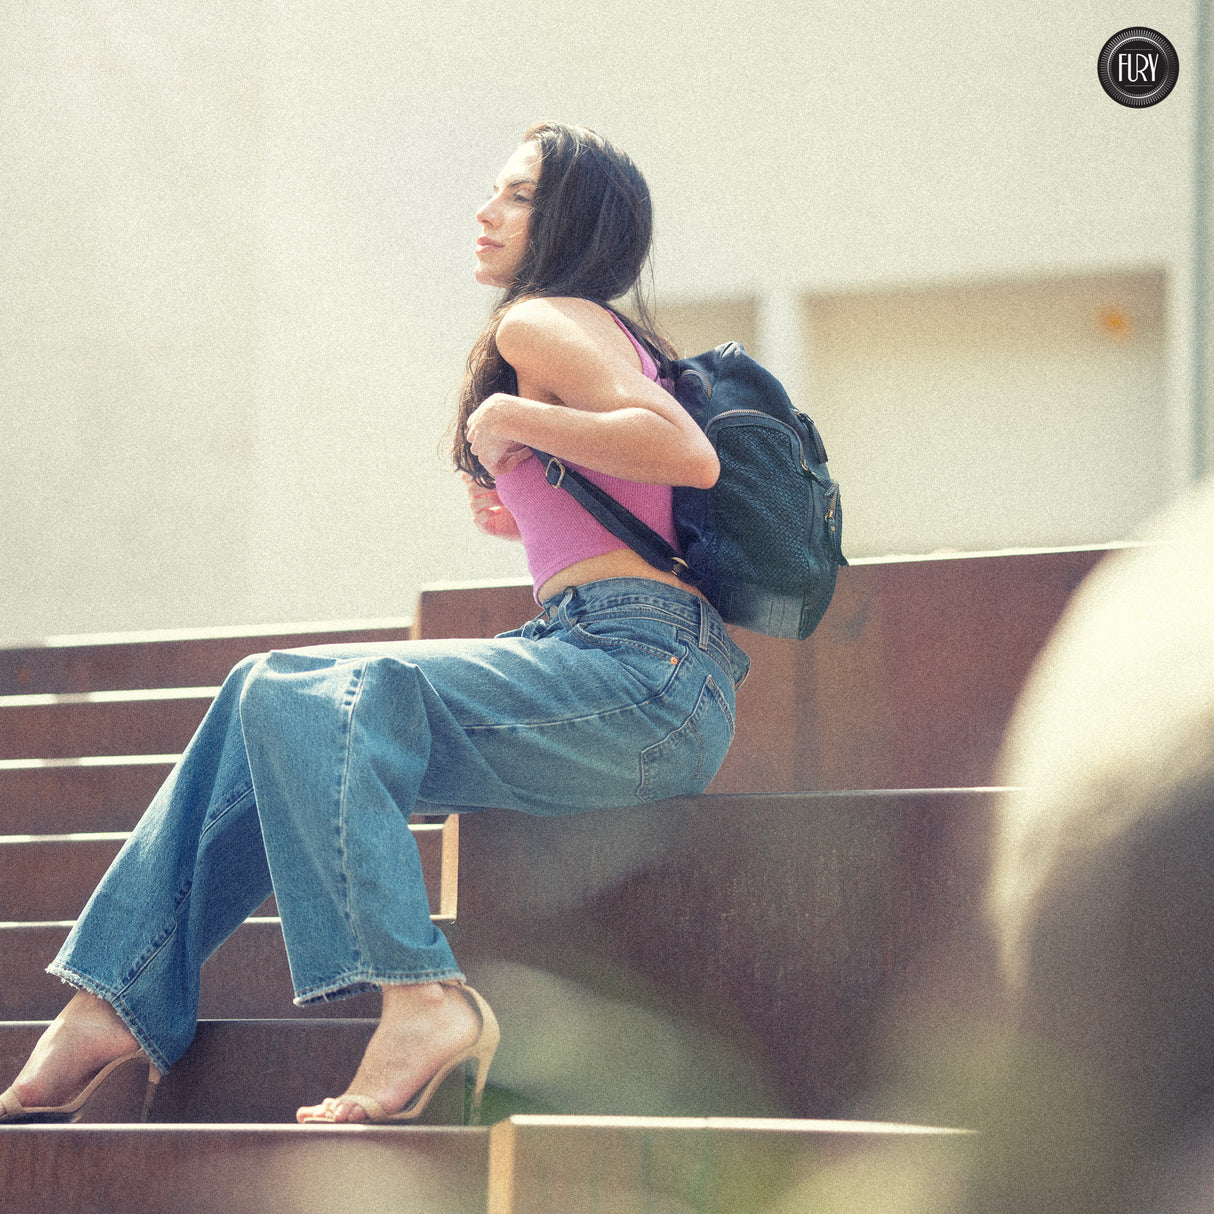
[474,1060]
[118,1092]
[150,1088]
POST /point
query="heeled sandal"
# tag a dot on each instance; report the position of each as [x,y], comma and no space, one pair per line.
[479,1053]
[117,1098]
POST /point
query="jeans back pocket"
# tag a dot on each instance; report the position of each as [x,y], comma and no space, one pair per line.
[684,761]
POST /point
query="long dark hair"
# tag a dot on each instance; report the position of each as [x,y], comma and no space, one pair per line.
[591,230]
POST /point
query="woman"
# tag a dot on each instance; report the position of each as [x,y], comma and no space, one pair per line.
[301,779]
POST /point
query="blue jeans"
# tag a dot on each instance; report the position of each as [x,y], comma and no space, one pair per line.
[302,776]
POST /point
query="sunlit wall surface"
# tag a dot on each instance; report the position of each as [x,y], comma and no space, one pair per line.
[237,286]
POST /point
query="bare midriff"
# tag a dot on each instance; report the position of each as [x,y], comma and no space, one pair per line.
[622,562]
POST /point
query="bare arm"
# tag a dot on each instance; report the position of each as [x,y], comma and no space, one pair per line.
[582,398]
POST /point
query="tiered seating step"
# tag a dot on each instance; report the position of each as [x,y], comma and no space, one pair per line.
[166,659]
[72,795]
[524,1165]
[246,977]
[714,1165]
[741,955]
[244,1169]
[239,1070]
[157,721]
[47,877]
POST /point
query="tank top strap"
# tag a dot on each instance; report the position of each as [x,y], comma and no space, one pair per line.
[648,366]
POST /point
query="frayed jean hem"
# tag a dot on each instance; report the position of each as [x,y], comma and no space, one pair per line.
[360,983]
[80,982]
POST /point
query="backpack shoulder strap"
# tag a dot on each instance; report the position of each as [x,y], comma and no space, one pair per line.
[617,518]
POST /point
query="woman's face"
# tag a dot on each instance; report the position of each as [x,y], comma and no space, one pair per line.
[505,219]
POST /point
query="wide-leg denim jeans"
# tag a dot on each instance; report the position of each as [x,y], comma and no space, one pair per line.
[302,776]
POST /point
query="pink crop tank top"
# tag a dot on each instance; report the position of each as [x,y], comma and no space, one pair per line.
[556,530]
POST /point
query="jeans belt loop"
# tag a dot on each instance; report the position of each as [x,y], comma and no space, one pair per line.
[705,625]
[562,608]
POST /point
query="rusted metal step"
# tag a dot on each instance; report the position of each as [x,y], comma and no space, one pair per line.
[247,977]
[236,1070]
[66,796]
[792,931]
[956,633]
[716,1165]
[181,658]
[147,722]
[50,877]
[244,1169]
[249,1071]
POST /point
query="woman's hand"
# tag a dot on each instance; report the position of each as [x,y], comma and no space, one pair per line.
[488,513]
[497,452]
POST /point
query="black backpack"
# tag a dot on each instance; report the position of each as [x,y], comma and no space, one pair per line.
[764,544]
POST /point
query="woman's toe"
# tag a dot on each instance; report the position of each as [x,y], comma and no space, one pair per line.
[334,1110]
[315,1112]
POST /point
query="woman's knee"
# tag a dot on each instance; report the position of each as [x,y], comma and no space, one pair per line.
[232,691]
[238,675]
[301,680]
[250,676]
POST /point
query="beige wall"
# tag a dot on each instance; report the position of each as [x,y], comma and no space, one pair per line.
[1012,412]
[237,262]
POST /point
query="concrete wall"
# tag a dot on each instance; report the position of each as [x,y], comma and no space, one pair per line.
[237,272]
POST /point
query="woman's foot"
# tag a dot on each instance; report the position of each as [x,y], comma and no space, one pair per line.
[85,1037]
[421,1028]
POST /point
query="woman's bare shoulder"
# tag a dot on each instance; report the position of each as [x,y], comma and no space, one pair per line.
[550,325]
